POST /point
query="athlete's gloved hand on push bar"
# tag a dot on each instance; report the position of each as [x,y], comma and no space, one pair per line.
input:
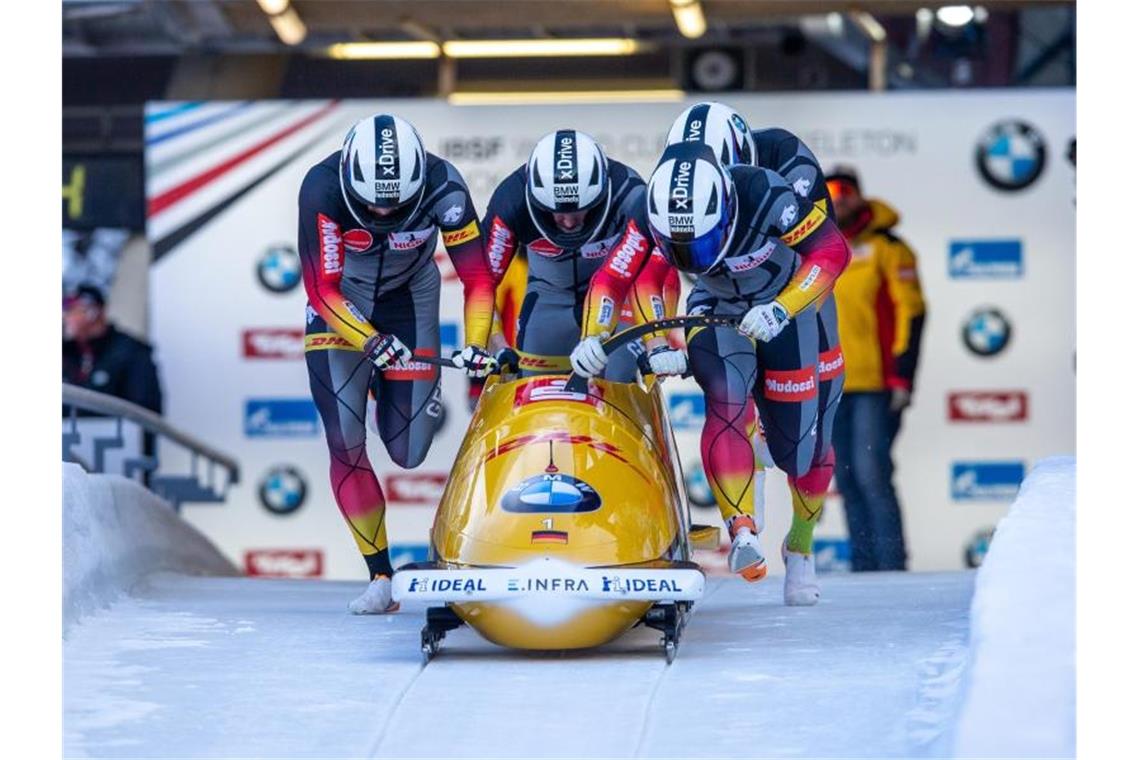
[665,361]
[386,351]
[588,357]
[764,322]
[474,361]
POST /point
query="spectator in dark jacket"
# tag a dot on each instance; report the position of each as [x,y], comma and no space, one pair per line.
[98,356]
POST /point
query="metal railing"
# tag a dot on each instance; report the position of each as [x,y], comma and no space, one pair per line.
[177,489]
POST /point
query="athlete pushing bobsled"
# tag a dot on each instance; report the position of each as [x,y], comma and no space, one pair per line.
[760,248]
[370,217]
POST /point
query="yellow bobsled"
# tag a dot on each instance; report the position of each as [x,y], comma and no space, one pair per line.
[564,521]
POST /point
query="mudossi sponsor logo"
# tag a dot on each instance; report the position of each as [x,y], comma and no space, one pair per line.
[499,243]
[284,563]
[773,385]
[330,245]
[830,365]
[633,244]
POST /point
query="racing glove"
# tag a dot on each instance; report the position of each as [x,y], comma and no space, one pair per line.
[589,358]
[666,360]
[386,351]
[474,361]
[764,322]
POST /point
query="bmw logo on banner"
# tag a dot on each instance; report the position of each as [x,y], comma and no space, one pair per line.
[282,490]
[986,332]
[1010,155]
[279,268]
[551,492]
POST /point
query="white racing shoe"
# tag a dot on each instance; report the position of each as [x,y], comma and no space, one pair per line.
[745,557]
[376,599]
[801,589]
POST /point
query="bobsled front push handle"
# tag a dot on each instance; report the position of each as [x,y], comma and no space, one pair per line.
[577,383]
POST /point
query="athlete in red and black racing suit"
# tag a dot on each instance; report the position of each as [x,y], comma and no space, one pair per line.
[763,252]
[370,218]
[568,175]
[728,135]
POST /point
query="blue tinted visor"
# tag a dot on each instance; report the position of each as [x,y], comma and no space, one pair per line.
[700,254]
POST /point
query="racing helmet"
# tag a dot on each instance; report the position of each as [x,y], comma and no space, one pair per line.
[567,172]
[382,164]
[692,207]
[719,127]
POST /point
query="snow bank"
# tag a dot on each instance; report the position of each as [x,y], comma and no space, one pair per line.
[115,533]
[1021,690]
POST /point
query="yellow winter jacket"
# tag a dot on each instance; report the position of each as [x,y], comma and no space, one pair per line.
[881,309]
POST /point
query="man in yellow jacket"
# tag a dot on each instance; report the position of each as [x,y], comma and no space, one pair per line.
[881,312]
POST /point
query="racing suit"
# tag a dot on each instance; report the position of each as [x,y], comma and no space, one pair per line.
[555,312]
[783,246]
[362,284]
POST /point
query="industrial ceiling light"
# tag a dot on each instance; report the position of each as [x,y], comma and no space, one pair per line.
[383,50]
[567,96]
[289,27]
[955,15]
[690,17]
[285,21]
[540,47]
[273,7]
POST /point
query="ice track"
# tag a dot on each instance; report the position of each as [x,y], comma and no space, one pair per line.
[227,667]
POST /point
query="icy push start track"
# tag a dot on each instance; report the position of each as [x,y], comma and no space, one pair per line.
[212,667]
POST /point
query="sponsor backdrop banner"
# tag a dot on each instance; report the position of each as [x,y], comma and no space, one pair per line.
[980,181]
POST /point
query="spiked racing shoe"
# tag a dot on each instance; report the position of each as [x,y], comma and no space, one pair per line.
[801,589]
[745,557]
[376,599]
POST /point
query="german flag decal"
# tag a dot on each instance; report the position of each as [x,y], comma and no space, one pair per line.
[549,537]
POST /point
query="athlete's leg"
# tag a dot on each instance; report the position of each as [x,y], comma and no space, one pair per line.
[809,490]
[787,394]
[408,401]
[547,328]
[724,364]
[338,379]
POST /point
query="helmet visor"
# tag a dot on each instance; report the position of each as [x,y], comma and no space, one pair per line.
[697,255]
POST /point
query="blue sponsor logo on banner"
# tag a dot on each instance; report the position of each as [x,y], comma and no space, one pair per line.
[986,259]
[281,418]
[832,555]
[687,410]
[985,480]
[403,554]
[448,338]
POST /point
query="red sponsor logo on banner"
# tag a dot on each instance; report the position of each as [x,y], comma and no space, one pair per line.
[415,487]
[790,385]
[988,406]
[413,370]
[358,240]
[273,343]
[285,563]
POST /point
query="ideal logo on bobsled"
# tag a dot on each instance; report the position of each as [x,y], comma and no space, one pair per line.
[415,488]
[285,563]
[273,343]
[988,406]
[548,577]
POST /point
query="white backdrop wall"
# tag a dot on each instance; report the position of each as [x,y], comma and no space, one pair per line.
[222,188]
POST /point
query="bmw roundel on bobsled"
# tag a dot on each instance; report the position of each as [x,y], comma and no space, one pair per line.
[564,520]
